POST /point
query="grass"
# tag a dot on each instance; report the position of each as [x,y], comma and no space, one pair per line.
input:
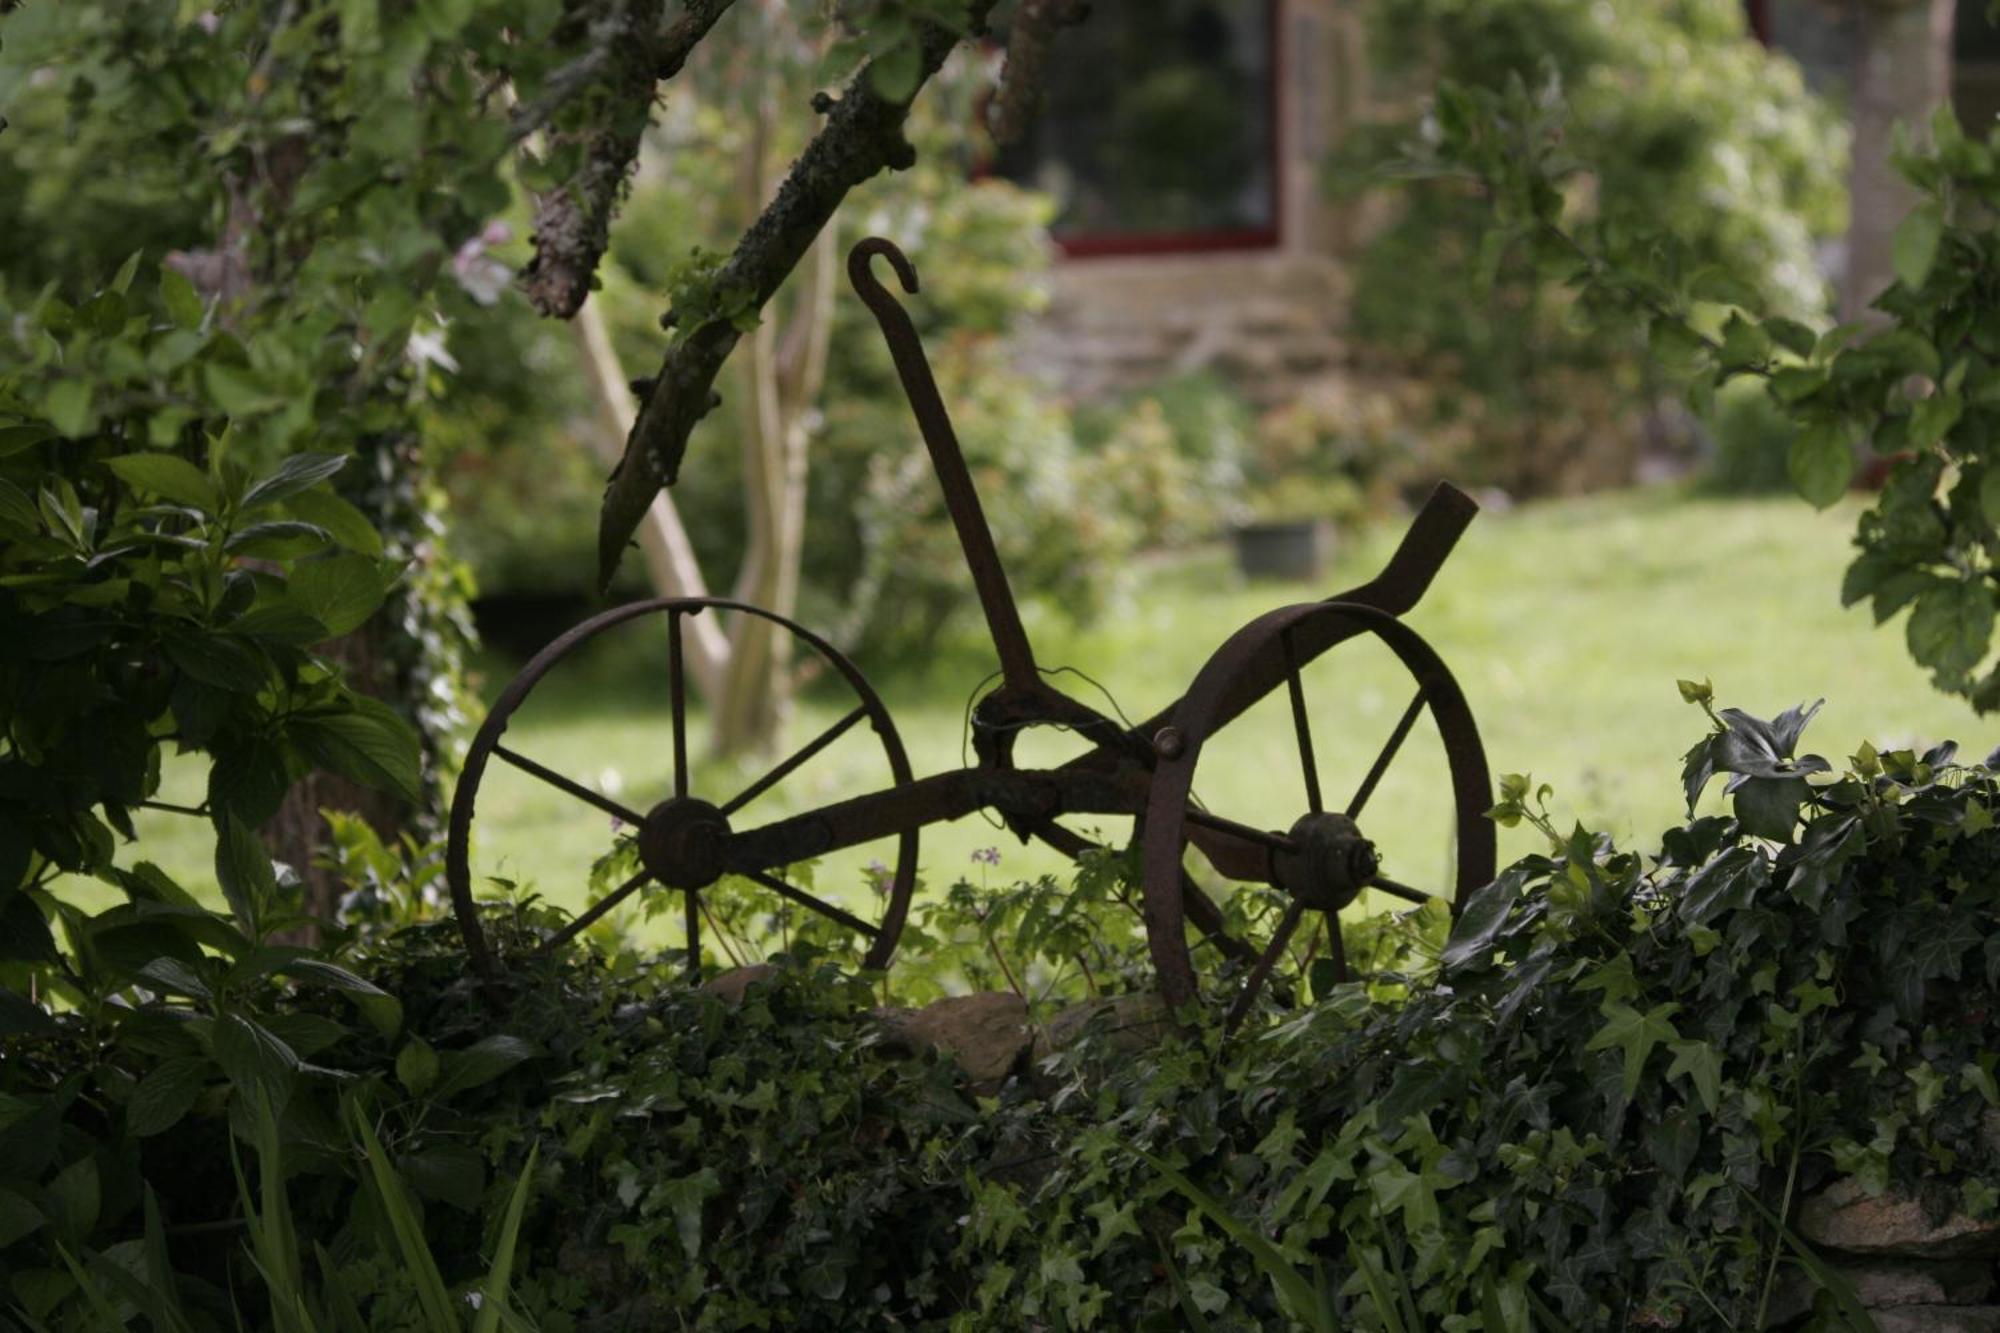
[1566,623]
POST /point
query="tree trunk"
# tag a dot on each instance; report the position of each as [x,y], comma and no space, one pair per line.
[671,567]
[782,368]
[1901,73]
[297,834]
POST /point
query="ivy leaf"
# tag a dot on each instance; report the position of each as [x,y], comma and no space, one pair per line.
[1636,1034]
[1914,249]
[685,1198]
[1769,807]
[1703,1066]
[1752,747]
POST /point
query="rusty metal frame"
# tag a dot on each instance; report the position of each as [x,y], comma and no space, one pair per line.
[1144,771]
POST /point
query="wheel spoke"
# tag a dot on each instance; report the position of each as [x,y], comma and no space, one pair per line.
[691,908]
[596,910]
[570,785]
[1403,891]
[1383,760]
[1254,984]
[784,770]
[677,685]
[1276,842]
[820,905]
[1300,725]
[1336,946]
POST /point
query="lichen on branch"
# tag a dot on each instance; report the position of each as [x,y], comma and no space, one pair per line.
[862,136]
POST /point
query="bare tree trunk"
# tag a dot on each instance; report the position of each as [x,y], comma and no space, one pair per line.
[671,567]
[782,367]
[1902,72]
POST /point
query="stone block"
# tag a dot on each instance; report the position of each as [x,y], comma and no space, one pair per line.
[1845,1217]
[730,986]
[1939,1319]
[985,1034]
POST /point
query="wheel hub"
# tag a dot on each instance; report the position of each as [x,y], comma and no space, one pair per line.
[1332,862]
[681,842]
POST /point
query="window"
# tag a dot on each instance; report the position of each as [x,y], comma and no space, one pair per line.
[1160,129]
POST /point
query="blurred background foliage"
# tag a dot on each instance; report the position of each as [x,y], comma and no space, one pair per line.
[1692,130]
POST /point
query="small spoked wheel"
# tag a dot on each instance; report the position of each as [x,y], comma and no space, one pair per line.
[1319,857]
[682,842]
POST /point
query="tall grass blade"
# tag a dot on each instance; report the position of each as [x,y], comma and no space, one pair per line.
[346,1315]
[432,1297]
[495,1302]
[1846,1301]
[1294,1290]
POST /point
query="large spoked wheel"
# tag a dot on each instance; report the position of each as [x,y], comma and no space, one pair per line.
[681,840]
[1322,859]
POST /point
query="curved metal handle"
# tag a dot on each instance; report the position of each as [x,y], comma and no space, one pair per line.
[1422,552]
[982,558]
[873,294]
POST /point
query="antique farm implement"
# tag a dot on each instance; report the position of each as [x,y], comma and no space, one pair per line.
[1320,858]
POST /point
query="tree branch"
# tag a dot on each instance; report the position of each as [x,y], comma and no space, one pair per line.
[631,52]
[863,135]
[1021,81]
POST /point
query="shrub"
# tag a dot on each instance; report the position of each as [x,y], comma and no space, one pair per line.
[1588,1106]
[1685,127]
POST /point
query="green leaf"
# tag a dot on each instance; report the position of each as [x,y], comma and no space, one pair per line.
[256,1059]
[1914,249]
[183,303]
[1820,464]
[1678,348]
[1703,1066]
[370,745]
[166,1094]
[482,1062]
[1636,1034]
[220,660]
[18,1218]
[383,1010]
[417,1066]
[322,508]
[167,475]
[14,439]
[896,72]
[68,405]
[297,473]
[1951,625]
[243,868]
[342,591]
[1769,807]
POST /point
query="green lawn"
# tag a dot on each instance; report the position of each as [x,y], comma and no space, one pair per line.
[1566,623]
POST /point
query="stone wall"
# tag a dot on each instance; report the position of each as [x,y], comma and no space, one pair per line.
[1268,321]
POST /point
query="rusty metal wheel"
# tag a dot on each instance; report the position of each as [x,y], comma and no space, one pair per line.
[680,841]
[1322,859]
